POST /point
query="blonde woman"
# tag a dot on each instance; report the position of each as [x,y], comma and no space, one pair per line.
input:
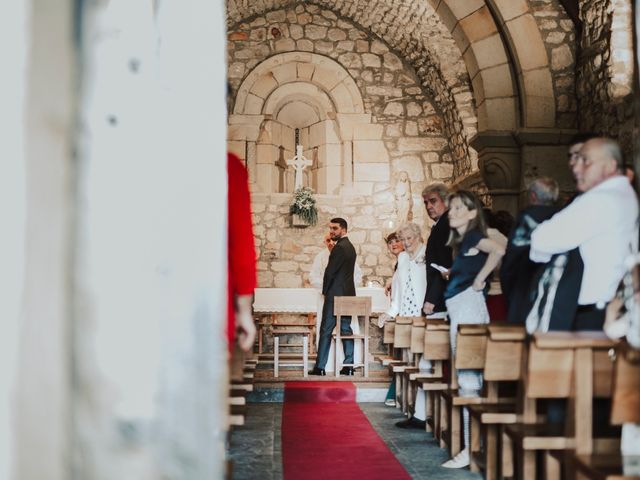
[407,299]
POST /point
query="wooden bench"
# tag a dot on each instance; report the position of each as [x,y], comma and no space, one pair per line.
[471,343]
[561,365]
[625,408]
[388,334]
[416,348]
[437,350]
[242,368]
[401,344]
[504,357]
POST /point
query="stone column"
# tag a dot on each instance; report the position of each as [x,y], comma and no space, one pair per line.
[509,161]
[499,164]
[36,180]
[150,380]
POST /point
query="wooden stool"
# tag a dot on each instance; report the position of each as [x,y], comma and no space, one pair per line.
[276,349]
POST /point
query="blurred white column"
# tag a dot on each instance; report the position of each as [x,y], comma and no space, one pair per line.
[13,50]
[151,383]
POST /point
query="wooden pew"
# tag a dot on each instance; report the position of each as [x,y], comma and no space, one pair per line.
[561,365]
[402,342]
[470,354]
[625,408]
[436,349]
[242,369]
[505,350]
[416,349]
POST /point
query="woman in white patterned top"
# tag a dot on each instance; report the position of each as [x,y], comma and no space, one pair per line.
[409,283]
[407,296]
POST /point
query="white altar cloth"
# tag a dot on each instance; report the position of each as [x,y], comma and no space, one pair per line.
[304,300]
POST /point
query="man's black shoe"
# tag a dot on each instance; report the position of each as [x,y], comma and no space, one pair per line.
[346,371]
[317,371]
[411,423]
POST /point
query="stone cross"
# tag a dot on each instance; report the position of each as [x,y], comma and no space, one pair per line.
[299,162]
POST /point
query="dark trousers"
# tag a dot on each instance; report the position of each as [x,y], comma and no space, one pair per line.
[326,330]
[589,319]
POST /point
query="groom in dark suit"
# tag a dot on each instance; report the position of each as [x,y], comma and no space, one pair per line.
[337,282]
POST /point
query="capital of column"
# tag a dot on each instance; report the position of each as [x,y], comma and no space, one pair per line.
[498,161]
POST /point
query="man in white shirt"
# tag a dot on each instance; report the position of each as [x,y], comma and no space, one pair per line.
[602,223]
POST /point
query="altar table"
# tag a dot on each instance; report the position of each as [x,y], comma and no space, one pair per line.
[308,301]
[305,300]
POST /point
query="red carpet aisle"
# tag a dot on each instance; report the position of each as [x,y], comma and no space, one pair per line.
[326,436]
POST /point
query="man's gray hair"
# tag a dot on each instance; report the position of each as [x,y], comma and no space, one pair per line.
[613,150]
[410,227]
[545,189]
[440,188]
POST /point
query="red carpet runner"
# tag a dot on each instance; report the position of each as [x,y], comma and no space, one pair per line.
[326,436]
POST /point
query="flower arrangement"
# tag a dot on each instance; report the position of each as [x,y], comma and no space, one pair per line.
[304,205]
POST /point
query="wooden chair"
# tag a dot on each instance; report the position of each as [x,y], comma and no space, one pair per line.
[359,307]
[561,365]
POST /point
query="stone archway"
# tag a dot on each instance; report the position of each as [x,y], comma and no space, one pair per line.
[507,61]
[318,96]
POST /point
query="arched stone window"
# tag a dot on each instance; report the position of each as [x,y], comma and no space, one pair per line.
[313,94]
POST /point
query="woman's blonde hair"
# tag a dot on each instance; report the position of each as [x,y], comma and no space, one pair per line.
[410,227]
[469,200]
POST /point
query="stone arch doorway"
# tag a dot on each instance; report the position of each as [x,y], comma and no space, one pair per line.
[315,95]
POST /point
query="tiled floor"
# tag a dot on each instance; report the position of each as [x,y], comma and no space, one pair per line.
[256,453]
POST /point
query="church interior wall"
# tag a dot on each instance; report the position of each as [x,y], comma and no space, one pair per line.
[400,129]
[559,37]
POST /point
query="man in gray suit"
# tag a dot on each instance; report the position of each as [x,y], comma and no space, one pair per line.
[337,282]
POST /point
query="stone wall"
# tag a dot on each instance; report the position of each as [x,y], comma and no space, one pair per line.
[412,137]
[605,70]
[285,253]
[558,34]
